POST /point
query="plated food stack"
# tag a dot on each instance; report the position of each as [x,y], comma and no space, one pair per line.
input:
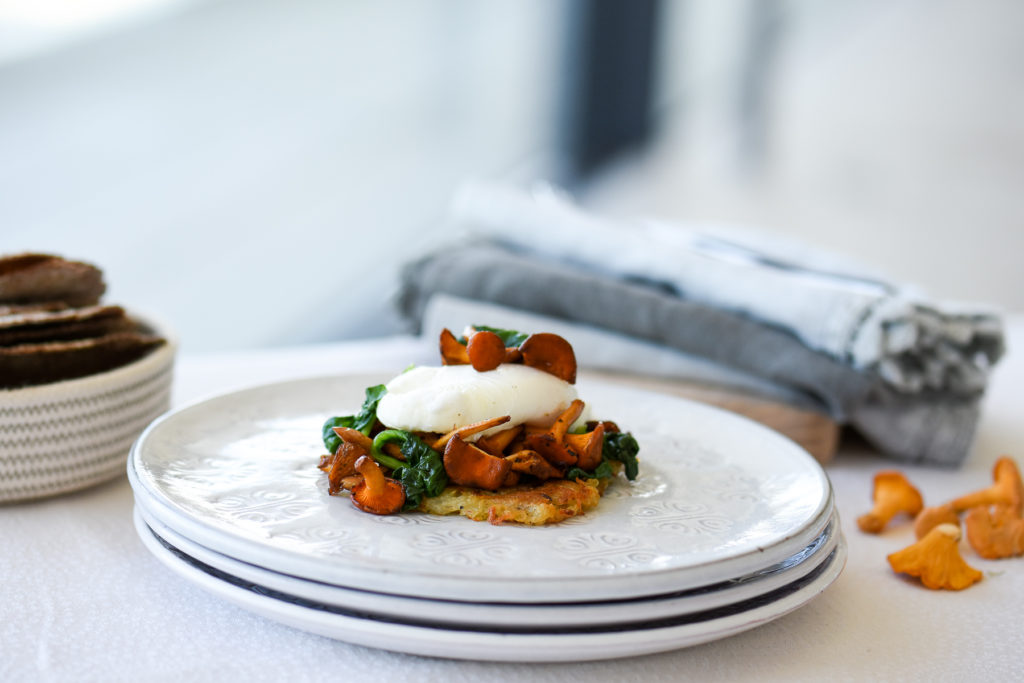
[726,525]
[496,433]
[78,379]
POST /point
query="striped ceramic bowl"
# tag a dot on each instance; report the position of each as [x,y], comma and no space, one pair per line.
[65,436]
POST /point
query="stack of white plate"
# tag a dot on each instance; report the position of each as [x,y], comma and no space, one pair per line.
[728,526]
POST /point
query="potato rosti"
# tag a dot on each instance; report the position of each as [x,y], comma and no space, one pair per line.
[546,503]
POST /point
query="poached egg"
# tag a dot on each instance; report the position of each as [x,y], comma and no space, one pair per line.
[439,399]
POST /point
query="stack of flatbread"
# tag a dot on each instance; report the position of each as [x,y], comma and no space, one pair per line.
[53,327]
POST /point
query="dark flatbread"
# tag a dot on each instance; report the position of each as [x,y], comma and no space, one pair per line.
[71,323]
[17,309]
[33,278]
[33,364]
[52,329]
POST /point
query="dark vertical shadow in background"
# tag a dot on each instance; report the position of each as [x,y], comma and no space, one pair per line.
[609,84]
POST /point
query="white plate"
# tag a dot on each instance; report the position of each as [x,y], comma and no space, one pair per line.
[535,645]
[718,497]
[504,615]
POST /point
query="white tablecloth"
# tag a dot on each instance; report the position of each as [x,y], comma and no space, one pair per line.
[81,598]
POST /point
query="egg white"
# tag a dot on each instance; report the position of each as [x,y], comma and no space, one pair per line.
[439,399]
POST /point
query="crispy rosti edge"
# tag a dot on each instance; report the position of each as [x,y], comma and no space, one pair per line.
[546,503]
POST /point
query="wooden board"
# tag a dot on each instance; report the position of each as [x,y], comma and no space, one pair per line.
[815,432]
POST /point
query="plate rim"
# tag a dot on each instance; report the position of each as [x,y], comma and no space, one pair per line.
[497,646]
[513,614]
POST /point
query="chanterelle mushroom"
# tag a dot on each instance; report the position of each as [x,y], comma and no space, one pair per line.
[550,353]
[586,447]
[496,443]
[551,444]
[467,465]
[995,528]
[343,465]
[995,532]
[485,350]
[1007,489]
[469,430]
[936,560]
[452,352]
[930,517]
[893,494]
[534,464]
[376,493]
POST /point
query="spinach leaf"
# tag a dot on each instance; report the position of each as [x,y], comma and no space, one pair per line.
[602,471]
[421,474]
[363,420]
[332,440]
[508,337]
[621,446]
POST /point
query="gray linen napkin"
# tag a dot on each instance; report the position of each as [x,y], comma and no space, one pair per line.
[928,426]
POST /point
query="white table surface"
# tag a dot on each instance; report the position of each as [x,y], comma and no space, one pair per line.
[81,598]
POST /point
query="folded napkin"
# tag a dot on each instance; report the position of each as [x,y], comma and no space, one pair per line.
[911,344]
[932,420]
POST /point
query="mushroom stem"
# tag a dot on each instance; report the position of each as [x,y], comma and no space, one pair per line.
[1007,489]
[565,420]
[931,517]
[376,493]
[469,430]
[893,494]
[372,475]
[551,443]
[354,436]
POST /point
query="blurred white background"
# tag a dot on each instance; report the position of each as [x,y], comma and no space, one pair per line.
[257,172]
[889,130]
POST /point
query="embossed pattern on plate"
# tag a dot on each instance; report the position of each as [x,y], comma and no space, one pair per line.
[717,496]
